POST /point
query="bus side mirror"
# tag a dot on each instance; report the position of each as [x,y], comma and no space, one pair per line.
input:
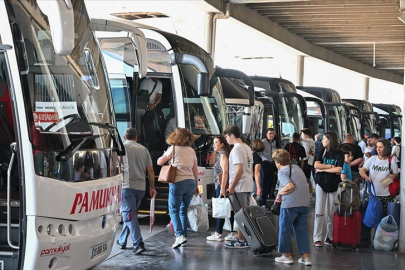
[203,84]
[61,22]
[246,121]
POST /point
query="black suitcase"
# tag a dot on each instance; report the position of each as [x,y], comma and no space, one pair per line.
[257,228]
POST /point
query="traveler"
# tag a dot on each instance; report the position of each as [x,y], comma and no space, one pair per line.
[268,171]
[221,176]
[240,177]
[328,166]
[134,165]
[154,91]
[294,198]
[309,145]
[257,147]
[378,168]
[185,184]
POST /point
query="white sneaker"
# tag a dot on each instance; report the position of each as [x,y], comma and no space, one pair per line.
[284,259]
[215,237]
[180,241]
[306,261]
[231,237]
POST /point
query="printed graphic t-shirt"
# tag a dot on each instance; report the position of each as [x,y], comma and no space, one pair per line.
[379,169]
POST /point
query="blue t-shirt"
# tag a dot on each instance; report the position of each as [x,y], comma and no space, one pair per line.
[346,170]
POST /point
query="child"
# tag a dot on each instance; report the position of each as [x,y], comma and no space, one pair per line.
[346,173]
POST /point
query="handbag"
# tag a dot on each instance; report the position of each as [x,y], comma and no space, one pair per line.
[374,211]
[167,174]
[275,208]
[394,186]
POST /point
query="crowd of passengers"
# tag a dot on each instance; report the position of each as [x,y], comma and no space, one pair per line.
[244,171]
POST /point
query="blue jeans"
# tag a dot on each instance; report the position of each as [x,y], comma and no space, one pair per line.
[131,200]
[221,221]
[180,194]
[294,218]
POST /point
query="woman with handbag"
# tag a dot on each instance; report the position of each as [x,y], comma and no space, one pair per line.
[185,183]
[220,159]
[380,173]
[328,166]
[294,198]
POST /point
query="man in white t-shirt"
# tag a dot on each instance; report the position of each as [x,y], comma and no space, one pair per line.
[240,177]
[154,88]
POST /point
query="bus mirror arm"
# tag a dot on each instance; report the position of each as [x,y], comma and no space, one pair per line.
[13,148]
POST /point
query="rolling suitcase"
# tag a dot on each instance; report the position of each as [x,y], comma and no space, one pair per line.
[347,226]
[257,228]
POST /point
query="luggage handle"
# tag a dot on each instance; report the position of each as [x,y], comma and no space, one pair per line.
[228,195]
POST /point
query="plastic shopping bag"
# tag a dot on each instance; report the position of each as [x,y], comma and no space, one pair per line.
[386,234]
[197,215]
[221,208]
[152,213]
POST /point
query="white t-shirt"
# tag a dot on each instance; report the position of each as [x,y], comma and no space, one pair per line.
[309,144]
[378,171]
[148,84]
[362,145]
[184,158]
[241,154]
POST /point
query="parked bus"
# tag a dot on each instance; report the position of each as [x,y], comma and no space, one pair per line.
[191,98]
[339,117]
[249,118]
[390,122]
[317,115]
[369,118]
[61,188]
[284,109]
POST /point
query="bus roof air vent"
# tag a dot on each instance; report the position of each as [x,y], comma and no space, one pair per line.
[153,45]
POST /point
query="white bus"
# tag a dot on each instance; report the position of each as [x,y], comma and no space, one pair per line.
[59,145]
[191,97]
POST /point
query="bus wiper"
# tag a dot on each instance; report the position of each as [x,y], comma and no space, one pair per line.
[73,147]
[117,139]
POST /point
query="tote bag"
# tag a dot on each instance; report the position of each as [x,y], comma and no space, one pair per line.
[167,174]
[374,210]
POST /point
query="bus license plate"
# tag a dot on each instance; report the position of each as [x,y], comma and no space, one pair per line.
[98,250]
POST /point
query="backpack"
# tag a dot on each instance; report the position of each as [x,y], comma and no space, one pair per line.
[344,194]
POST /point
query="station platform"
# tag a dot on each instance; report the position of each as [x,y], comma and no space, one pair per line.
[200,254]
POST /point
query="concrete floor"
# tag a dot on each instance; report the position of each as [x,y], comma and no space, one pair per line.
[201,254]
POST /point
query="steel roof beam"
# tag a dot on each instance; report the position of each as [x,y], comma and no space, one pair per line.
[253,19]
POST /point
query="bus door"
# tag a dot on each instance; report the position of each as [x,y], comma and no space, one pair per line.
[11,238]
[269,113]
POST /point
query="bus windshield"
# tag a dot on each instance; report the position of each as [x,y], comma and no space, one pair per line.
[290,118]
[337,121]
[204,115]
[66,97]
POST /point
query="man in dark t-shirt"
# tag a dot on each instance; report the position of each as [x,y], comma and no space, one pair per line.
[357,156]
[296,150]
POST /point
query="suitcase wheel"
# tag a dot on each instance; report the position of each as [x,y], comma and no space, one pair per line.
[255,252]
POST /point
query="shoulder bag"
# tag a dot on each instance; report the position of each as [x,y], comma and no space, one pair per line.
[167,174]
[374,211]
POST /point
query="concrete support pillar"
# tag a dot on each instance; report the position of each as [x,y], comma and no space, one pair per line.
[210,31]
[300,71]
[401,242]
[366,88]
